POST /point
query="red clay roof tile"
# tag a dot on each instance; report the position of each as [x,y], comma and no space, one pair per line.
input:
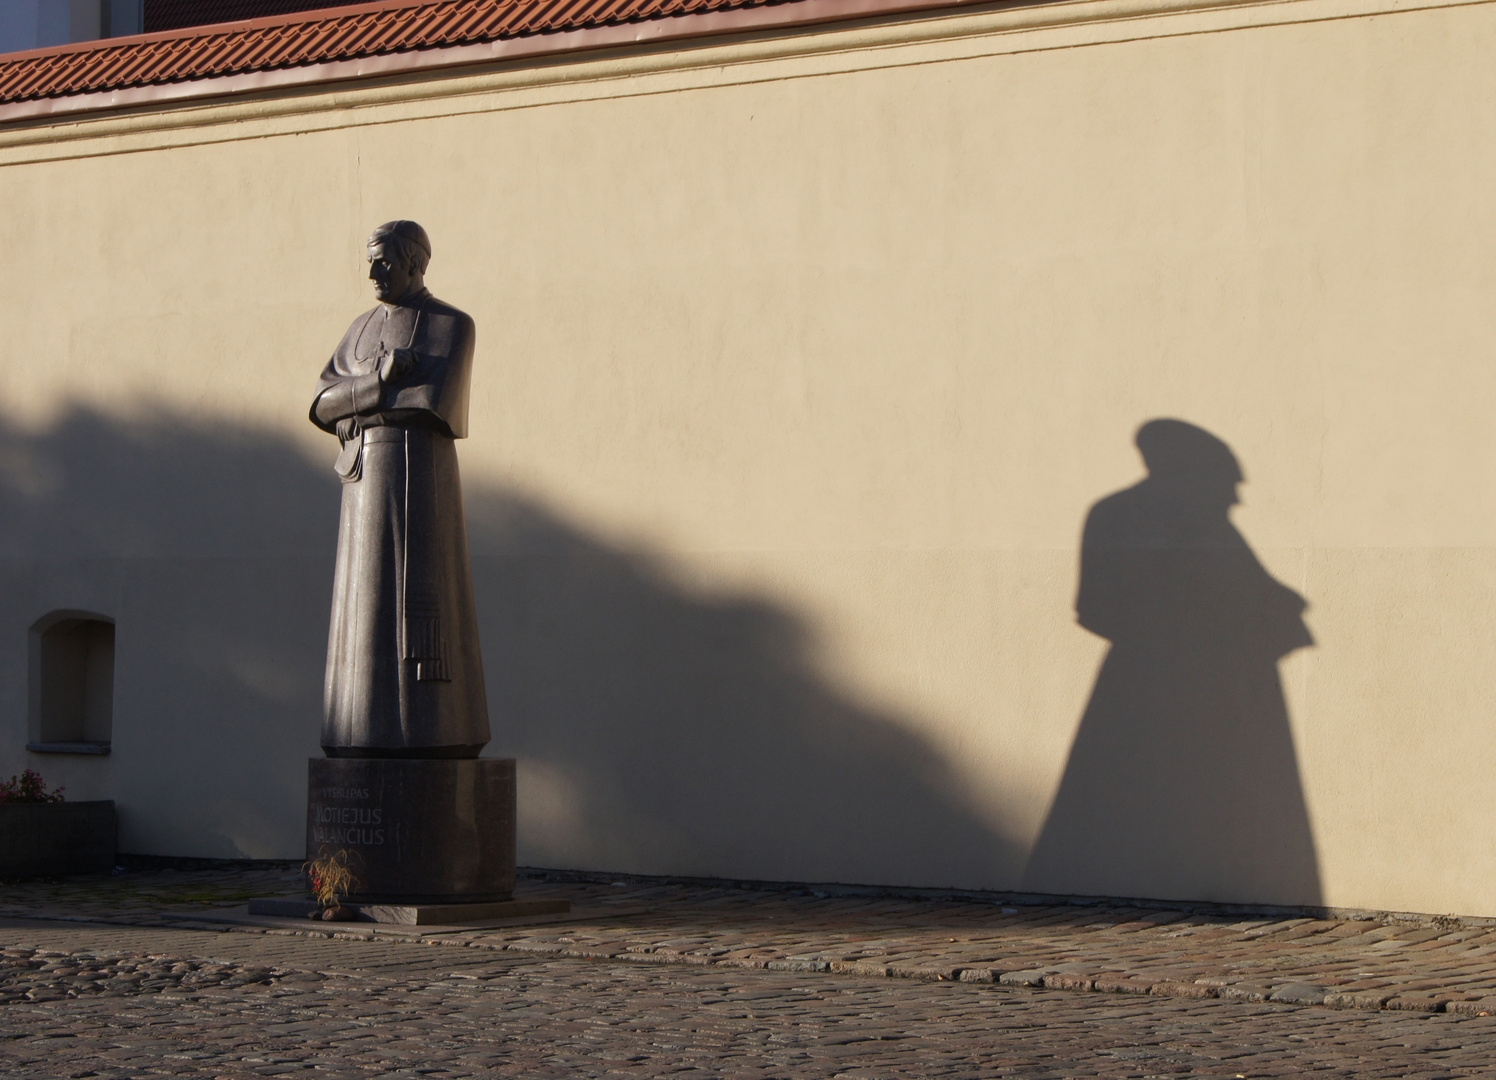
[316,37]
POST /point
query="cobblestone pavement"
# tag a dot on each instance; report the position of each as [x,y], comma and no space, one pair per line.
[1418,964]
[130,1002]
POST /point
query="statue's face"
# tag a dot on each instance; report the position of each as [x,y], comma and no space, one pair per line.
[391,276]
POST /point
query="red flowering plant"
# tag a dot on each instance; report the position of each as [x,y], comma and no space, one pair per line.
[29,787]
[331,879]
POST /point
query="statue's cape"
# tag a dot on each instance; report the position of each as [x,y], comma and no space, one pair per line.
[437,390]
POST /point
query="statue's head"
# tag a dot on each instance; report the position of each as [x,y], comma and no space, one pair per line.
[399,252]
[1190,459]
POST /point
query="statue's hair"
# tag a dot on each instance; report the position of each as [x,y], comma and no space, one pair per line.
[410,242]
[1175,449]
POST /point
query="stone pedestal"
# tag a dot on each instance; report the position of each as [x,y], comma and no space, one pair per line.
[418,831]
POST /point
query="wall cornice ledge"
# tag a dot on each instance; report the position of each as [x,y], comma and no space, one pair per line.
[622,61]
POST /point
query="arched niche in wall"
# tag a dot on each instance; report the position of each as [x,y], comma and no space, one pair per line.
[71,691]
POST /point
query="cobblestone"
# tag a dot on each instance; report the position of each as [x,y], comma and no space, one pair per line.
[293,1006]
[1425,964]
[31,974]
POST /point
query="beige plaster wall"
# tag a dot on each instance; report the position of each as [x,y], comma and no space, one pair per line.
[797,377]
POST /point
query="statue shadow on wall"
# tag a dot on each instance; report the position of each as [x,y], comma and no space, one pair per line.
[660,729]
[1182,781]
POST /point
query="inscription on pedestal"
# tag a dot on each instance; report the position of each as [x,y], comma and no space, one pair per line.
[348,825]
[416,830]
[346,818]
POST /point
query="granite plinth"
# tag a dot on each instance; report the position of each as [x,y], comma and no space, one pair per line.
[417,831]
[415,914]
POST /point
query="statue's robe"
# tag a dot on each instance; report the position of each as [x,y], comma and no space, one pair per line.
[404,671]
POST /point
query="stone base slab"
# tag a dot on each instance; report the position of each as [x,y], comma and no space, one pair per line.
[415,914]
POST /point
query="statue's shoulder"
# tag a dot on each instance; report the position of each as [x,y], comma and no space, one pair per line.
[1122,519]
[440,309]
[449,328]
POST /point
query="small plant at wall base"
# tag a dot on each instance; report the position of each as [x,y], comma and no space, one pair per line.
[42,835]
[29,787]
[331,880]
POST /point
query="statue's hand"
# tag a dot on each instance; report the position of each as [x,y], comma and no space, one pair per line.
[348,429]
[396,365]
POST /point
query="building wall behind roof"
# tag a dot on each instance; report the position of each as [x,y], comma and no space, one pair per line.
[18,27]
[39,24]
[176,14]
[797,380]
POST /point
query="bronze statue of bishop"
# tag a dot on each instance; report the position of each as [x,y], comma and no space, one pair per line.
[404,671]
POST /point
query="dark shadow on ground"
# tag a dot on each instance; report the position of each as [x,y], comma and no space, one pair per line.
[1182,782]
[681,733]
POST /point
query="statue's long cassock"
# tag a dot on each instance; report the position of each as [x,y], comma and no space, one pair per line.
[404,673]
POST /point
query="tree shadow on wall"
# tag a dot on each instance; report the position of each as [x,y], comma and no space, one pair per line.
[659,729]
[205,542]
[692,734]
[1182,782]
